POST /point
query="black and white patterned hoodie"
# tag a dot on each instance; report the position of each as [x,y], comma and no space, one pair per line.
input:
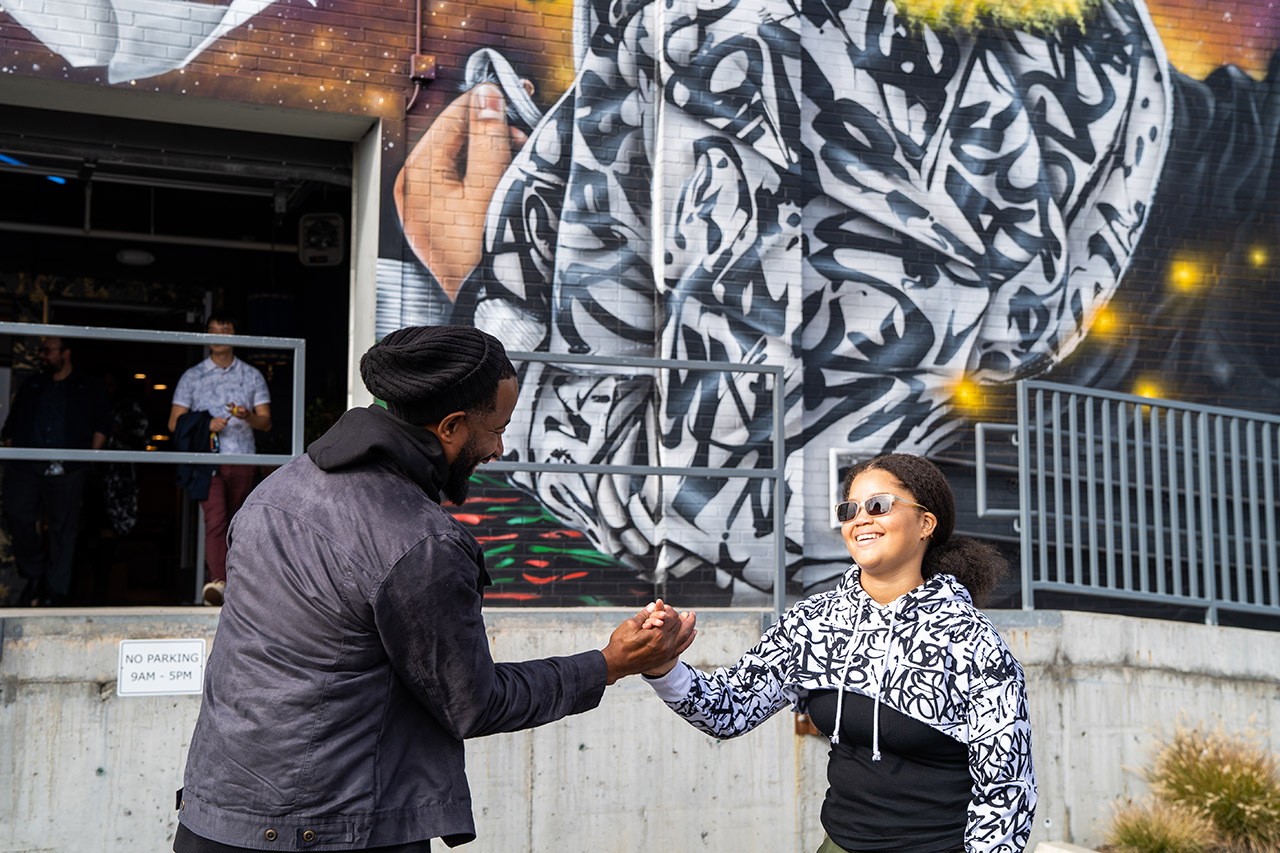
[930,655]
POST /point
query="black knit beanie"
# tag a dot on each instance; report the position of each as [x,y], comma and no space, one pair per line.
[423,373]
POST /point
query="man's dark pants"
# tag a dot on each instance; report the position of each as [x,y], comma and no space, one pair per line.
[29,497]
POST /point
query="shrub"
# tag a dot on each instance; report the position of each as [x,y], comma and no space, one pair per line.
[1158,827]
[1230,779]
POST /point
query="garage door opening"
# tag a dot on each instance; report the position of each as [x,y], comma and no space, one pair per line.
[148,225]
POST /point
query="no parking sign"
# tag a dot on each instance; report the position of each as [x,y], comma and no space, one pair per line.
[160,667]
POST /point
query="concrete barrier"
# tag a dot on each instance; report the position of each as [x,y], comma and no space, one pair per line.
[83,768]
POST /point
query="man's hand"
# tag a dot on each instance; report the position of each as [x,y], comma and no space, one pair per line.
[259,418]
[217,424]
[635,648]
[655,620]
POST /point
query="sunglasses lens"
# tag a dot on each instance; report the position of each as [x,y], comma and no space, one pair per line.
[879,504]
[846,511]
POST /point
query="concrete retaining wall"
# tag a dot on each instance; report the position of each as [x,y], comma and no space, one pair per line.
[82,768]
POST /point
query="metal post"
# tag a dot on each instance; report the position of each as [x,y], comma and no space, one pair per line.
[1024,496]
[299,396]
[779,495]
[198,596]
[1205,544]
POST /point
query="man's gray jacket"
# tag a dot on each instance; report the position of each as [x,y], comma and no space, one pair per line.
[351,659]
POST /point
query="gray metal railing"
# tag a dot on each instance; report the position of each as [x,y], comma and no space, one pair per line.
[1146,499]
[297,346]
[775,473]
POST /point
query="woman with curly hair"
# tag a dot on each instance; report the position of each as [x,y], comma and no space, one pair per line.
[932,753]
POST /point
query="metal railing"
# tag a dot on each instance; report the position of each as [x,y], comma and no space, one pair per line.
[1153,500]
[297,346]
[775,472]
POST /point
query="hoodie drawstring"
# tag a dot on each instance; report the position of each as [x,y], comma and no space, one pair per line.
[844,674]
[884,670]
[844,677]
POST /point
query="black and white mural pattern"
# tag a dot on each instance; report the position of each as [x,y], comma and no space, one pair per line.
[929,655]
[882,211]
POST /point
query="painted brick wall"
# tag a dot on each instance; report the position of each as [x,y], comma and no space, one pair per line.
[336,56]
[554,248]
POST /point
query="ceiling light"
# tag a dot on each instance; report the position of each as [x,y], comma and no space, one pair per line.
[135,257]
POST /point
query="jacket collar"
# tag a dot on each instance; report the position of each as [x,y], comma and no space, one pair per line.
[374,434]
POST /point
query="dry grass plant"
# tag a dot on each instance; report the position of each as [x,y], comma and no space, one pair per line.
[1229,778]
[1159,827]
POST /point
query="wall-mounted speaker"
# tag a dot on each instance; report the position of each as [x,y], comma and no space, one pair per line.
[321,240]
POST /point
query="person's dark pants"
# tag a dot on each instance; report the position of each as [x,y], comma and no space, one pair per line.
[29,498]
[227,492]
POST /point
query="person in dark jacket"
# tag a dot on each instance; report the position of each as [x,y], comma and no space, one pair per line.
[351,660]
[59,407]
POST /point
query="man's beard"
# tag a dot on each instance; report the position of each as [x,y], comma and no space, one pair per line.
[457,484]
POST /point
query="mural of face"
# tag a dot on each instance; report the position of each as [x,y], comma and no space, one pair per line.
[132,44]
[885,212]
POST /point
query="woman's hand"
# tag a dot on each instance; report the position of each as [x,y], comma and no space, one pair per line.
[655,620]
[648,641]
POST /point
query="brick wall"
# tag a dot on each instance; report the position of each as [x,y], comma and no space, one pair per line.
[1193,317]
[337,56]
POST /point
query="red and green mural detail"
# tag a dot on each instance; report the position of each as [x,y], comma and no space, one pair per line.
[534,559]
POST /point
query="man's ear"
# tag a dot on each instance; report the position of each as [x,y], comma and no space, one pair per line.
[450,428]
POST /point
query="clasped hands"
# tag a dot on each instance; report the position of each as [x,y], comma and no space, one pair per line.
[650,642]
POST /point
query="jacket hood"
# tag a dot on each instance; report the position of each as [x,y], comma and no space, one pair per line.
[939,589]
[373,434]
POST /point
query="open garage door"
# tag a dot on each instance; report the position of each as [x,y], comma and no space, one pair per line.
[147,225]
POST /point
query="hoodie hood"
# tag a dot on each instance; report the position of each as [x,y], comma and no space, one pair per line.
[873,645]
[375,435]
[937,590]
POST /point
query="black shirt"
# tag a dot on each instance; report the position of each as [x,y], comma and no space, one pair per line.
[63,413]
[915,799]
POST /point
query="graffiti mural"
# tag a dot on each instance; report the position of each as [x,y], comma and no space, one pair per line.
[344,56]
[904,219]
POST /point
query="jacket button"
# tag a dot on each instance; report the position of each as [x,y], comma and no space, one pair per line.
[308,836]
[271,834]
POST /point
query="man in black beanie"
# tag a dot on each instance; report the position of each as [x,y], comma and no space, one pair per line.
[351,659]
